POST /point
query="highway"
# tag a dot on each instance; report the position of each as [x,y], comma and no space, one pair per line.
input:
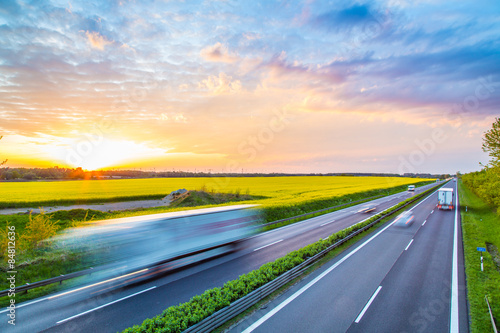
[102,310]
[398,280]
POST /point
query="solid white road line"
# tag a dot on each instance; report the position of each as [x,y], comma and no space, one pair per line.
[407,246]
[368,305]
[268,245]
[454,277]
[327,223]
[104,305]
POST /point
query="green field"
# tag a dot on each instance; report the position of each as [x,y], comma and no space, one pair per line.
[277,190]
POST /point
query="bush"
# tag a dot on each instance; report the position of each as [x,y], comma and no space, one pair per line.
[39,228]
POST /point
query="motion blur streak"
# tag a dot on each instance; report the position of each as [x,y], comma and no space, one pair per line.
[125,247]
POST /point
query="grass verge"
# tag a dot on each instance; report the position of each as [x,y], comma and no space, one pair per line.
[481,228]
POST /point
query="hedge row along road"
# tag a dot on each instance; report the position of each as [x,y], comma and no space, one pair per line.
[106,311]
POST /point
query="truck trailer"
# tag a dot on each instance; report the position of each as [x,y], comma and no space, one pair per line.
[445,198]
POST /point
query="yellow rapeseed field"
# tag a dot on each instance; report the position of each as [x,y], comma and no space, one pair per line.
[277,190]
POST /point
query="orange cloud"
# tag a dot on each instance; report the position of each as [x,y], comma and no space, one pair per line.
[96,40]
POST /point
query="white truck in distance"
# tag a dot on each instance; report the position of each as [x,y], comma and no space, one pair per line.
[445,198]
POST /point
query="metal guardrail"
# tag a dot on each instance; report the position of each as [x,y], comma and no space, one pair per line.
[220,317]
[491,315]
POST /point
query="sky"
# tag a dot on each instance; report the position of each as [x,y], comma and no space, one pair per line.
[389,86]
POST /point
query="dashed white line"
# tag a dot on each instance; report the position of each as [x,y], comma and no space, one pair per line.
[327,223]
[368,305]
[260,248]
[407,246]
[432,211]
[104,305]
[424,223]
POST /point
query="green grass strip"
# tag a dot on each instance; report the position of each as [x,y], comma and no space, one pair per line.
[481,228]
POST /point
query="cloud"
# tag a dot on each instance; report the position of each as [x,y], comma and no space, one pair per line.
[96,40]
[222,84]
[218,53]
[279,70]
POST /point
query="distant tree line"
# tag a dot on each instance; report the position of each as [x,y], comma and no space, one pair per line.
[56,173]
[486,183]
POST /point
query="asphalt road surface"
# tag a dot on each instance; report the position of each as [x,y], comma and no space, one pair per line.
[99,309]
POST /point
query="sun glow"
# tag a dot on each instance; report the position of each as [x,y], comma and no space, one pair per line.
[105,153]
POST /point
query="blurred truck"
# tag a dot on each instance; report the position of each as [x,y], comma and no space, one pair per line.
[158,243]
[445,198]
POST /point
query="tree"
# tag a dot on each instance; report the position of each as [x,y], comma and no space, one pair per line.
[491,143]
[2,163]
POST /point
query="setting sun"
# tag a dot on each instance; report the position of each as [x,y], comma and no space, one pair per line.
[104,153]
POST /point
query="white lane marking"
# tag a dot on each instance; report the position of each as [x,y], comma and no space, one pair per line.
[25,304]
[424,223]
[407,246]
[327,223]
[268,245]
[432,211]
[104,305]
[454,324]
[271,313]
[368,305]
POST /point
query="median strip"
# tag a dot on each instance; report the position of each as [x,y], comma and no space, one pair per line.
[313,282]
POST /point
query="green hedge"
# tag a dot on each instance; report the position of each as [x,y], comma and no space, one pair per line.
[180,317]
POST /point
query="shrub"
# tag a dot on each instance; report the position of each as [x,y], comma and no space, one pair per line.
[39,228]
